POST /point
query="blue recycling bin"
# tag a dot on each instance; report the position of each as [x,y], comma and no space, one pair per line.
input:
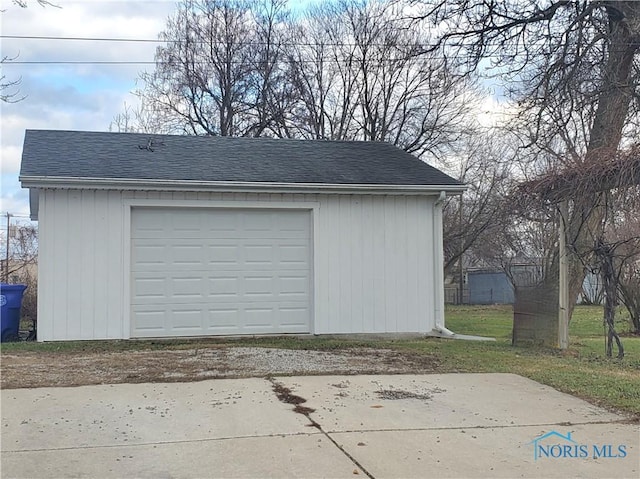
[10,302]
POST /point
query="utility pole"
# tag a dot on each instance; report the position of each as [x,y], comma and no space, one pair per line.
[460,263]
[563,296]
[6,261]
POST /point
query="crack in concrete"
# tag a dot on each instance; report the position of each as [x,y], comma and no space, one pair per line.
[504,426]
[162,443]
[313,423]
[285,395]
[351,458]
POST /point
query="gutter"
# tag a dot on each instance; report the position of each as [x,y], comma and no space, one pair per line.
[227,186]
[440,330]
[439,313]
[442,197]
[447,333]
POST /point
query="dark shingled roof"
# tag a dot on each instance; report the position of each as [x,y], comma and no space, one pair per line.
[131,156]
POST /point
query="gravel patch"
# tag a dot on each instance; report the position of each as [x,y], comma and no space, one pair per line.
[31,369]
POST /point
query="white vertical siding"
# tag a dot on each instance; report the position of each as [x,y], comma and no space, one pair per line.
[80,265]
[46,279]
[373,260]
[438,273]
[373,255]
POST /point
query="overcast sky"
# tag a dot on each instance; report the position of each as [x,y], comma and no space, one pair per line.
[74,97]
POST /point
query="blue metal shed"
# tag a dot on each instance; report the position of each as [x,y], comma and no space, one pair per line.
[489,287]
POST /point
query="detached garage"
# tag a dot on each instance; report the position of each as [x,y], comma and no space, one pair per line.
[162,236]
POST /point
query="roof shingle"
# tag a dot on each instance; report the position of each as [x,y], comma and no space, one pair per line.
[131,156]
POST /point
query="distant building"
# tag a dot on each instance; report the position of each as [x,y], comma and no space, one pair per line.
[489,287]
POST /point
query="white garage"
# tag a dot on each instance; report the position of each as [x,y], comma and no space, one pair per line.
[207,271]
[157,236]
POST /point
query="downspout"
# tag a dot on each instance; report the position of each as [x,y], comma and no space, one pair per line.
[438,274]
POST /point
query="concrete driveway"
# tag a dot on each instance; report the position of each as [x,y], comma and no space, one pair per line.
[453,425]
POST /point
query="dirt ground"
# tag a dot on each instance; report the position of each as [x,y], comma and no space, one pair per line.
[44,369]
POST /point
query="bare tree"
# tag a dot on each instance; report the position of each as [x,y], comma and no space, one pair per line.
[474,222]
[361,72]
[615,240]
[321,74]
[124,122]
[567,64]
[22,266]
[9,89]
[23,250]
[42,3]
[9,92]
[345,71]
[143,118]
[269,79]
[629,289]
[621,238]
[218,73]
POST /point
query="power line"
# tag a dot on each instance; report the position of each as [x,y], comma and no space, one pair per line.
[216,42]
[210,41]
[81,39]
[425,49]
[326,59]
[371,62]
[81,62]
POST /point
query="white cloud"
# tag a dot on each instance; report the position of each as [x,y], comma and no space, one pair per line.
[10,159]
[73,97]
[15,202]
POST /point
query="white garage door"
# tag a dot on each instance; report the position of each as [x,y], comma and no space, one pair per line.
[202,271]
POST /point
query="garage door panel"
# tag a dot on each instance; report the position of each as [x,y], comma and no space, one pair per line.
[257,320]
[245,287]
[152,225]
[258,317]
[292,223]
[222,254]
[259,287]
[211,271]
[225,222]
[184,319]
[222,321]
[257,223]
[188,223]
[150,322]
[186,255]
[292,256]
[293,316]
[148,255]
[152,288]
[258,255]
[224,287]
[294,287]
[188,288]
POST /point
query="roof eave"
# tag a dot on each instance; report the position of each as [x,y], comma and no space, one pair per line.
[29,181]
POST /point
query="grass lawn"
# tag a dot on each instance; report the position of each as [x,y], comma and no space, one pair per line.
[583,370]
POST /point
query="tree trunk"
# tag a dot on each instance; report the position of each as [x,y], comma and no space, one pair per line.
[614,98]
[605,255]
[606,131]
